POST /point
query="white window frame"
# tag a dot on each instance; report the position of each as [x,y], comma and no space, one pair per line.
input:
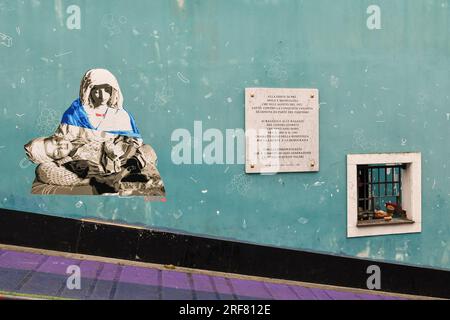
[411,193]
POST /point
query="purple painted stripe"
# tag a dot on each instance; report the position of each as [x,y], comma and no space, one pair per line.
[320,294]
[176,280]
[204,287]
[57,265]
[108,272]
[10,279]
[176,286]
[83,293]
[53,265]
[89,269]
[340,295]
[102,290]
[281,291]
[249,288]
[202,283]
[222,286]
[393,298]
[173,279]
[304,293]
[20,260]
[43,284]
[138,275]
[364,296]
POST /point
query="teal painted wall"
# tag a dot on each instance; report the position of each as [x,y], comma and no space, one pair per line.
[179,61]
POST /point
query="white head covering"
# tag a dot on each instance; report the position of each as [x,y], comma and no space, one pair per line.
[35,151]
[96,77]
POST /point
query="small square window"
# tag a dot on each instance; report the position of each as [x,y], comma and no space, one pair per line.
[380,195]
[384,194]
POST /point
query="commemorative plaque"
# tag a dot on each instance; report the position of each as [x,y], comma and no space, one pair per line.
[282,130]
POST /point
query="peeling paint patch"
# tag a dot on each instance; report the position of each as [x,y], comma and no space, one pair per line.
[334,82]
[59,12]
[180,4]
[364,253]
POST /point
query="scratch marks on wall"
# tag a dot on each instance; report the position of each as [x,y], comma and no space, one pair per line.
[404,142]
[183,78]
[334,81]
[79,204]
[113,23]
[47,120]
[318,184]
[401,252]
[47,60]
[25,163]
[361,142]
[240,183]
[8,6]
[58,55]
[423,101]
[155,35]
[163,95]
[277,68]
[178,214]
[6,40]
[193,179]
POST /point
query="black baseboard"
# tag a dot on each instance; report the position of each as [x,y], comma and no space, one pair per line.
[121,242]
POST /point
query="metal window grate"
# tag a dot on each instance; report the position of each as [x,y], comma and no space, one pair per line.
[378,185]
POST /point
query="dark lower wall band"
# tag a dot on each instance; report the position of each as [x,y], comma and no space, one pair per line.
[121,242]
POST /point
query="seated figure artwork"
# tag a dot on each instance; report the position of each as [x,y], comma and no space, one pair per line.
[97,149]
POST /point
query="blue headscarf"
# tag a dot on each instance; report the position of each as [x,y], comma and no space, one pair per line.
[76,116]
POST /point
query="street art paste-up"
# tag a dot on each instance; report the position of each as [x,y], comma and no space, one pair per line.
[97,149]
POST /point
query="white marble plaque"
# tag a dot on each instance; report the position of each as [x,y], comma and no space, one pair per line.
[282,130]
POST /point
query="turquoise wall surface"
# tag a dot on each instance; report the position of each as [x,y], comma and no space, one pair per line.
[177,62]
